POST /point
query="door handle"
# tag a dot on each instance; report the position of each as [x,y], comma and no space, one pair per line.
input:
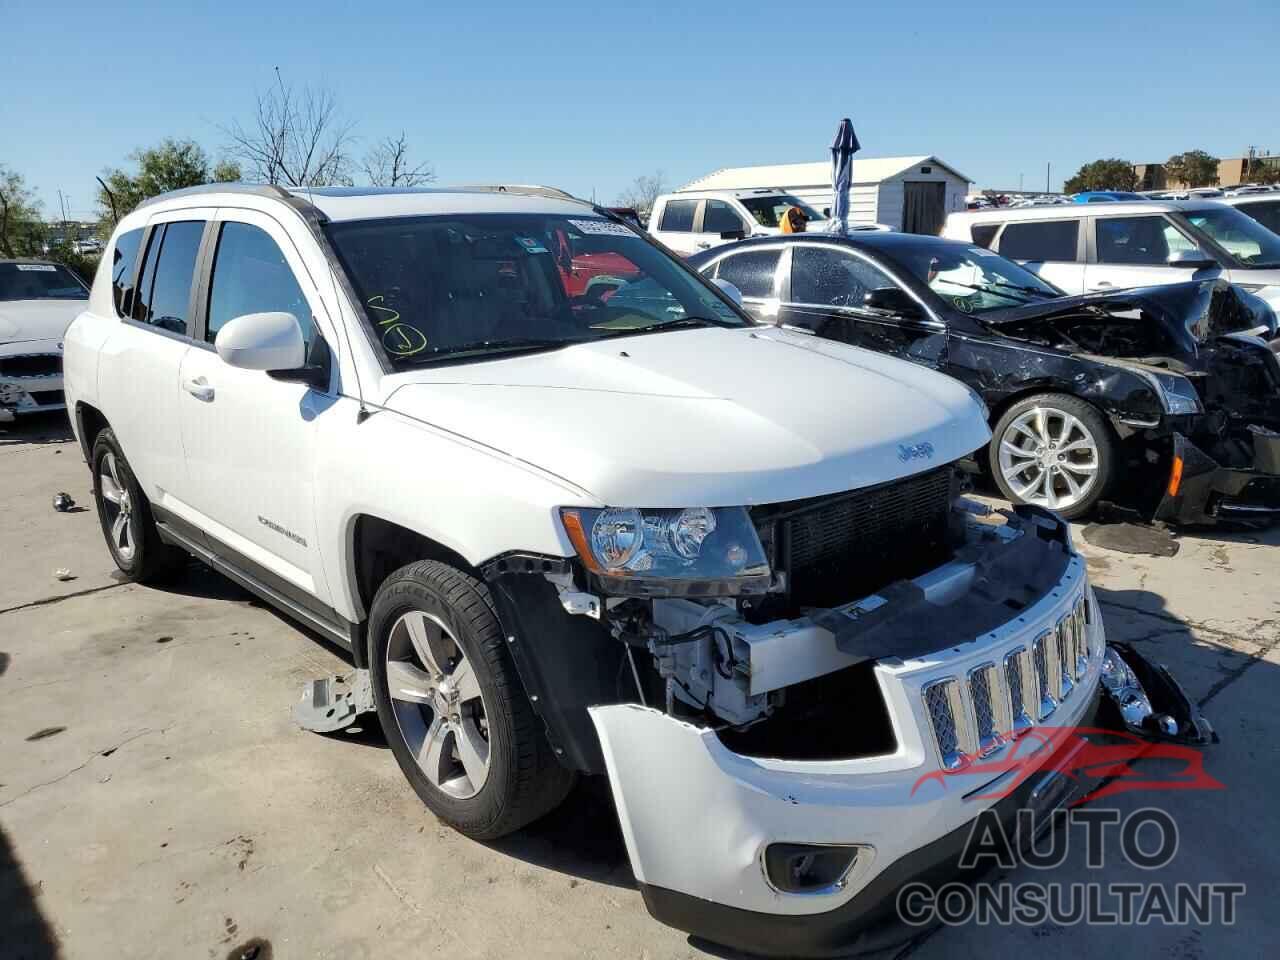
[1102,285]
[199,388]
[702,245]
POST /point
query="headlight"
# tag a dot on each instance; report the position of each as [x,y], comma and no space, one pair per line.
[692,551]
[1176,393]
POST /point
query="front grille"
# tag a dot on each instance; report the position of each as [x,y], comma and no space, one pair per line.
[994,703]
[843,547]
[31,365]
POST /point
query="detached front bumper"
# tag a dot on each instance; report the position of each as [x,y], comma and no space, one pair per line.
[30,378]
[698,819]
[1201,490]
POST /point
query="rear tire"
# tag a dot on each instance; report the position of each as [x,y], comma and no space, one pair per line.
[125,514]
[452,707]
[1055,451]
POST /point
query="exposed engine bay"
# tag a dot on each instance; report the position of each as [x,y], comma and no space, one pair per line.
[711,661]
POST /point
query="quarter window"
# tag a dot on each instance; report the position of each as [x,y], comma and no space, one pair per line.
[123,260]
[677,216]
[164,289]
[251,275]
[1053,240]
[718,217]
[831,277]
[751,272]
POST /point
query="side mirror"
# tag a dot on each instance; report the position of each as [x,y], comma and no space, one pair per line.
[730,291]
[891,300]
[262,341]
[1190,260]
[733,235]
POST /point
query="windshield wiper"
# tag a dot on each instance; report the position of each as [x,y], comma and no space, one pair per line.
[484,348]
[990,288]
[683,322]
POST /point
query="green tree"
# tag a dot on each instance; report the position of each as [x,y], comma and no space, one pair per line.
[1195,168]
[1262,173]
[171,165]
[1113,174]
[21,229]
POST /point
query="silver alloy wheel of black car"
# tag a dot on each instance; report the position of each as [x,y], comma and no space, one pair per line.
[1049,457]
[118,504]
[437,704]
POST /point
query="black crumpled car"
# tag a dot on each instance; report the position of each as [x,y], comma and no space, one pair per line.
[1164,398]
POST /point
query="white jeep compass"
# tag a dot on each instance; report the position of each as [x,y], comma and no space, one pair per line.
[573,512]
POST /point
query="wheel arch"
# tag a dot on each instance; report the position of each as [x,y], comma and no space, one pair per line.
[89,422]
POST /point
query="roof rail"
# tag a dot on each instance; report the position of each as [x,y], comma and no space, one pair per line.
[257,189]
[531,189]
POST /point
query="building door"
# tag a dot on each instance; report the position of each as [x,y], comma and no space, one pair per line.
[924,206]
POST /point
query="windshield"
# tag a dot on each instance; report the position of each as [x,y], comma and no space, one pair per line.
[467,287]
[1243,237]
[973,279]
[39,281]
[768,211]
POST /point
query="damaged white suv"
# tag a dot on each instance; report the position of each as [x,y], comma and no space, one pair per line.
[573,512]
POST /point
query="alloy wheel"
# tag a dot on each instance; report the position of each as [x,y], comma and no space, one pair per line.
[1049,457]
[119,507]
[437,704]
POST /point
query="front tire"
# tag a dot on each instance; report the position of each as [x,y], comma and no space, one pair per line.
[125,515]
[1055,451]
[453,710]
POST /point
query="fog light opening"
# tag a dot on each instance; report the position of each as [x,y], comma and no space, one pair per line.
[808,868]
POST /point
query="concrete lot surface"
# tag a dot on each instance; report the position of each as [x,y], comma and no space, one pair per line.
[156,799]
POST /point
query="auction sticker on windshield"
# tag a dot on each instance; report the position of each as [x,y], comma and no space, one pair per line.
[37,267]
[603,228]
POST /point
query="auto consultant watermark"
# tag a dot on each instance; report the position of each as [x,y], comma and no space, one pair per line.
[1147,839]
[1053,771]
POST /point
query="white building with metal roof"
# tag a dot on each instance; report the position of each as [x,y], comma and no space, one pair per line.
[912,194]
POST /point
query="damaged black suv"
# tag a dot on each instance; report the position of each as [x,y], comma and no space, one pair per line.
[1167,398]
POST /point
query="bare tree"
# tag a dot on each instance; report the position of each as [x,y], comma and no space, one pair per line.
[643,192]
[298,138]
[387,164]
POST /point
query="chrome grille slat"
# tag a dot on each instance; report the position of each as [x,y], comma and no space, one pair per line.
[997,701]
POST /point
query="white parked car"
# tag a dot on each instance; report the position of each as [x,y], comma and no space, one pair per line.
[623,531]
[1094,247]
[698,220]
[1261,205]
[38,301]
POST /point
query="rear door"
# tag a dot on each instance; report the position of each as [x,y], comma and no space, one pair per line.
[251,437]
[1052,249]
[1134,252]
[140,363]
[674,226]
[755,272]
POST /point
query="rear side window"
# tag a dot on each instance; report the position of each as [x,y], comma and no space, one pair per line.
[123,259]
[984,234]
[751,272]
[718,217]
[1052,240]
[251,275]
[677,216]
[164,288]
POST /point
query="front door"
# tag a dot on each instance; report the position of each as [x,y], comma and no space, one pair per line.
[251,438]
[826,295]
[1134,252]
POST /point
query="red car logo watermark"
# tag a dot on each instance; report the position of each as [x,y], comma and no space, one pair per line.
[1082,754]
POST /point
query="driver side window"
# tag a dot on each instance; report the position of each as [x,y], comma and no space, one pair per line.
[829,276]
[251,275]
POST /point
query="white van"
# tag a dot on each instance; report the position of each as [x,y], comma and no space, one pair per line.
[690,222]
[1130,244]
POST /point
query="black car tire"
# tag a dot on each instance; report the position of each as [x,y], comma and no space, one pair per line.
[524,781]
[1060,409]
[134,542]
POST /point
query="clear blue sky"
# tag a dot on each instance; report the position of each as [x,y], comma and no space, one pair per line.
[589,95]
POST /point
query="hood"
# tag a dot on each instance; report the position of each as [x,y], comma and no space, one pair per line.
[1170,320]
[37,319]
[709,417]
